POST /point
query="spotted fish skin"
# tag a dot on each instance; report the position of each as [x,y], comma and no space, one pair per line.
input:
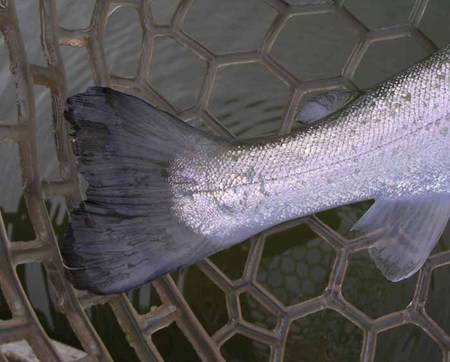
[393,141]
[162,195]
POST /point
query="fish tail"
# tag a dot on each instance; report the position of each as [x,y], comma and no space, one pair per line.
[124,233]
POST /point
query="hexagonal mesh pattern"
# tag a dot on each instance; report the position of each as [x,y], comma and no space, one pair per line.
[264,304]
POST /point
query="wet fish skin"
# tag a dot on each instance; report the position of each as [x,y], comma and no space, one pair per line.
[392,142]
[163,195]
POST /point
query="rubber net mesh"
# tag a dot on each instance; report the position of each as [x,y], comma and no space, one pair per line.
[270,309]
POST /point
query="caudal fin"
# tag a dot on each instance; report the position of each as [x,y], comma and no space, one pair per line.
[124,233]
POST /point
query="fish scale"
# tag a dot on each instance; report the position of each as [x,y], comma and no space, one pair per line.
[390,142]
[166,195]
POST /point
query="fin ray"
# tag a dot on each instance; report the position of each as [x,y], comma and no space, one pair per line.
[404,232]
[324,104]
[124,233]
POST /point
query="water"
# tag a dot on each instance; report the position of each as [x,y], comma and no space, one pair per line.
[249,102]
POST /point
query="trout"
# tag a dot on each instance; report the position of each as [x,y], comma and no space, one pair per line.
[162,195]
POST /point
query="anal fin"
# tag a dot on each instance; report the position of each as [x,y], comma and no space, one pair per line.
[404,231]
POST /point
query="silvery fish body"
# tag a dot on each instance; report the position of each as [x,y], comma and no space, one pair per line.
[202,194]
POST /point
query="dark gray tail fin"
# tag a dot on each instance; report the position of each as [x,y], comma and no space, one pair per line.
[124,234]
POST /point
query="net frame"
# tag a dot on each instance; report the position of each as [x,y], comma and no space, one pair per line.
[24,324]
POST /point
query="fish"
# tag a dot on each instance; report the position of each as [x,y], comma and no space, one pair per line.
[162,195]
